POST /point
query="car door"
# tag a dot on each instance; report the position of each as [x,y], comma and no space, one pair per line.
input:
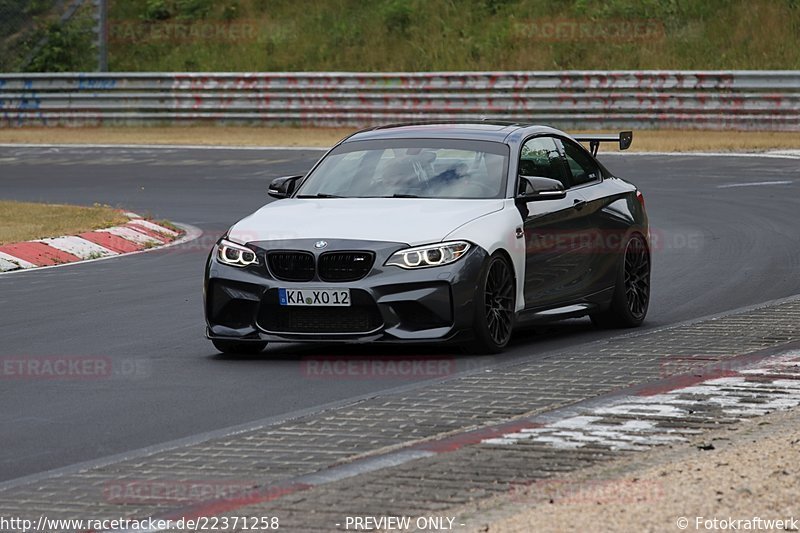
[602,230]
[551,227]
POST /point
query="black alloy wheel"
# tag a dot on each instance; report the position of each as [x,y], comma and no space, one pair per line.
[637,277]
[494,320]
[631,297]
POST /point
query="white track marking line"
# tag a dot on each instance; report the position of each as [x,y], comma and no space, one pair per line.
[166,147]
[78,247]
[773,154]
[791,153]
[755,184]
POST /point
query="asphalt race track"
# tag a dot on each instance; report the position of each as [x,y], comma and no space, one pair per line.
[726,232]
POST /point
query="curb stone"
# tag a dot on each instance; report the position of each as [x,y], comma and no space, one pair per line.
[136,235]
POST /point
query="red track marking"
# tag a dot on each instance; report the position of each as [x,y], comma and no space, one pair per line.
[683,381]
[38,253]
[112,242]
[459,440]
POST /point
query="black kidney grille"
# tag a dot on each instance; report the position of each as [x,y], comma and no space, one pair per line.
[291,266]
[345,266]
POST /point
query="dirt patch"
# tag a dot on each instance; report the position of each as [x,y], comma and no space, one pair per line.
[644,140]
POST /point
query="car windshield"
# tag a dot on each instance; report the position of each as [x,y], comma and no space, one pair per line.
[410,168]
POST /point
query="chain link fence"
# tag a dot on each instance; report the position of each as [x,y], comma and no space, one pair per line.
[52,35]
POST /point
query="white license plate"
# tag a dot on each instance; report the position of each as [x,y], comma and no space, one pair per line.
[315,297]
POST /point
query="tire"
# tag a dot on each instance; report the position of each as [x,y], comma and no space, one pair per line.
[494,307]
[632,289]
[239,347]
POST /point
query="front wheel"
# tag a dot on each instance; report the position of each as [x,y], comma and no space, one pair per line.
[494,307]
[239,347]
[632,290]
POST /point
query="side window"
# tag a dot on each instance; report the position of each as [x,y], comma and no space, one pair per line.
[581,165]
[540,157]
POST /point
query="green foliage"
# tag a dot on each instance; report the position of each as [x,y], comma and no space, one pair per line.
[16,14]
[419,35]
[494,6]
[261,6]
[68,48]
[397,16]
[34,38]
[230,11]
[193,9]
[156,10]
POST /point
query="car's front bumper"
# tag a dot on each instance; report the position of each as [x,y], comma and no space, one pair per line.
[390,304]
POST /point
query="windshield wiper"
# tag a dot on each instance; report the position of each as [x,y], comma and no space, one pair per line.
[319,195]
[396,195]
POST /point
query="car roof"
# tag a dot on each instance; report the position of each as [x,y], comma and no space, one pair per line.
[483,130]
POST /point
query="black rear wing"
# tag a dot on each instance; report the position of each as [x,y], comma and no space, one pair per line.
[624,138]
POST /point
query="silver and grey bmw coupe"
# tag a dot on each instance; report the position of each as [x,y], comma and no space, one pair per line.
[437,232]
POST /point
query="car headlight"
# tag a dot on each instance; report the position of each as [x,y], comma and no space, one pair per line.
[430,255]
[234,254]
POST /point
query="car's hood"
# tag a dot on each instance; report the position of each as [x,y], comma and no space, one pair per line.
[407,220]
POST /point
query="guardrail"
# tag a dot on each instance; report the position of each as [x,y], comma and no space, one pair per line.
[737,100]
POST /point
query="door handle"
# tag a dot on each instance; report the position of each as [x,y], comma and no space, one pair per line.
[578,204]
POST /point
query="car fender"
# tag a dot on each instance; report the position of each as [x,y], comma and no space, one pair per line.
[499,231]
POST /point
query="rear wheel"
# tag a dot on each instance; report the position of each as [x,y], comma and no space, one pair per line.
[494,307]
[239,347]
[632,291]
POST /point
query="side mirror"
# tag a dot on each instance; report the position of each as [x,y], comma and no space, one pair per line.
[283,187]
[534,188]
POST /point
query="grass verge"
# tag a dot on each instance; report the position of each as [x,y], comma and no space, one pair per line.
[425,35]
[24,221]
[643,140]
